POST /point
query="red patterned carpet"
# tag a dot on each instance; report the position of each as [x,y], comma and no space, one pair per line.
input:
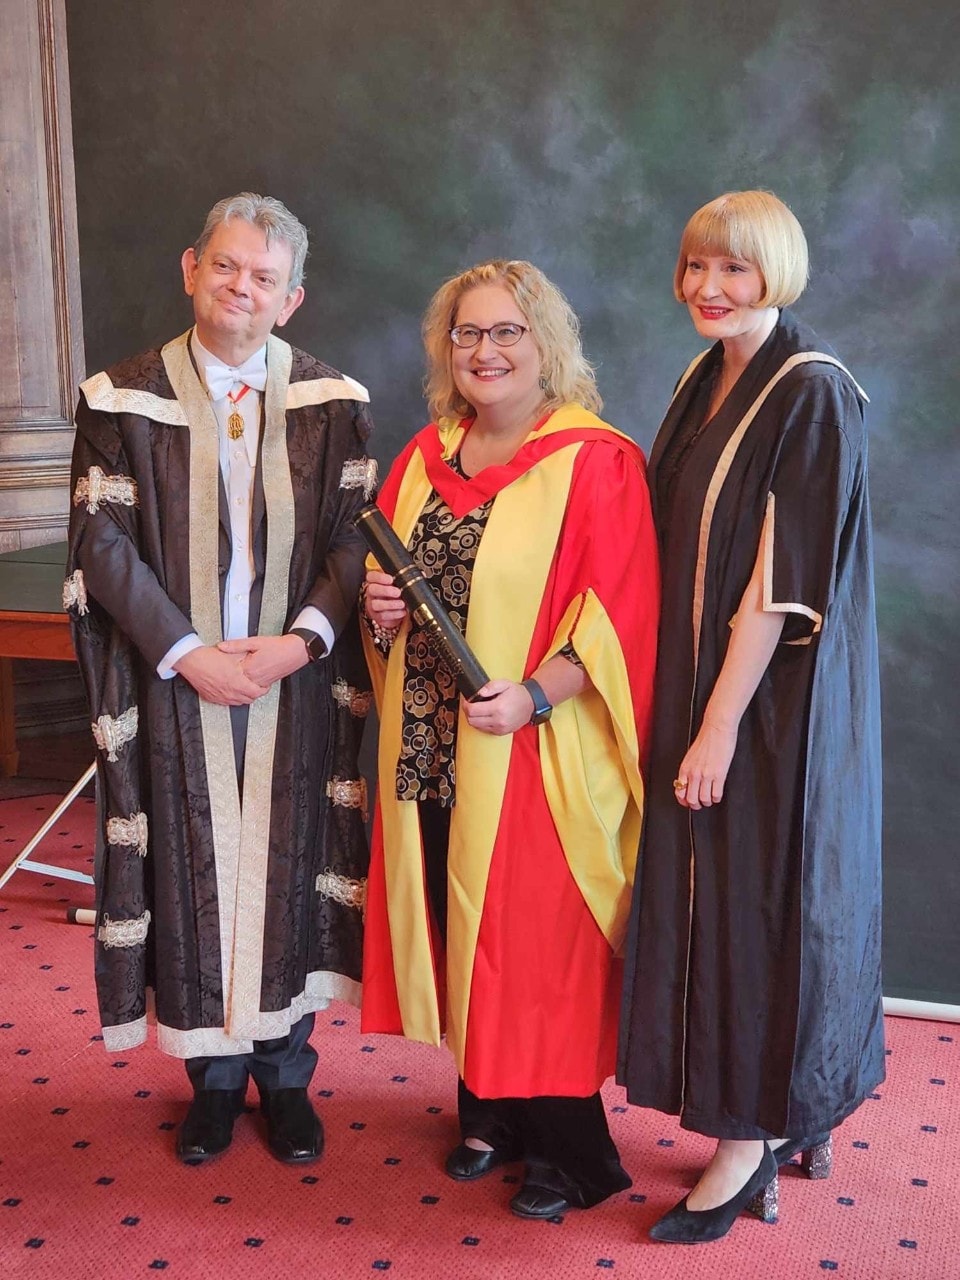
[90,1187]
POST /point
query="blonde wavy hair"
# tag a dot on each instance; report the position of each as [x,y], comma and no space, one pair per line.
[565,374]
[756,227]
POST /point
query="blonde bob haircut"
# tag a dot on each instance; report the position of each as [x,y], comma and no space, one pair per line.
[565,374]
[756,227]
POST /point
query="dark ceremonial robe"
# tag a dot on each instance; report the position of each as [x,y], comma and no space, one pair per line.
[752,1003]
[545,824]
[242,913]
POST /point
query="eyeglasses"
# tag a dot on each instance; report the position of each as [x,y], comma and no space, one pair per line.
[504,334]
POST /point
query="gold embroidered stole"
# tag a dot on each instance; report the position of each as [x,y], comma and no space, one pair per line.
[241,844]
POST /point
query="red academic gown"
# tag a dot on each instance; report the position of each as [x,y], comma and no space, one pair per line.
[545,827]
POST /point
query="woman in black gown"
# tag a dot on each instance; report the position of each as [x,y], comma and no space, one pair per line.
[752,1007]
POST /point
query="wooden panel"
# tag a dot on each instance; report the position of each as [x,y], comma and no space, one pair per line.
[41,343]
[37,532]
[35,635]
[49,697]
[9,755]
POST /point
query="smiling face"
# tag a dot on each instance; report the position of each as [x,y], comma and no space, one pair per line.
[501,382]
[721,294]
[239,289]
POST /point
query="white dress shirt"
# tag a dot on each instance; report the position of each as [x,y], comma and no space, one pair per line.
[238,464]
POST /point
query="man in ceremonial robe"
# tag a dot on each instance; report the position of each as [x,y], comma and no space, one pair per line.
[212,578]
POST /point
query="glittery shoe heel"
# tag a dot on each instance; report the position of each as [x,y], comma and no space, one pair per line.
[765,1205]
[815,1152]
[817,1161]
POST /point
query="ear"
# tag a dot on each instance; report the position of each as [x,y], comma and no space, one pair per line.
[188,263]
[289,307]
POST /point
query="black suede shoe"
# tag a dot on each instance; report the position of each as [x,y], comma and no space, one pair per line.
[538,1202]
[698,1226]
[208,1127]
[466,1163]
[294,1131]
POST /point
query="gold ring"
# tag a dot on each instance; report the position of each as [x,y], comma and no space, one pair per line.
[679,784]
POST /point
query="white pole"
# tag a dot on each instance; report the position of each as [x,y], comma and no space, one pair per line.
[896,1008]
[64,804]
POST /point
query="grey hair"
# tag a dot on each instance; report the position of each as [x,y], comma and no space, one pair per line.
[273,218]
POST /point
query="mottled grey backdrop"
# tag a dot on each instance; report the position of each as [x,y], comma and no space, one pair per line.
[417,138]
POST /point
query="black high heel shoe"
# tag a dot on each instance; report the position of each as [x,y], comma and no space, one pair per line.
[758,1196]
[816,1155]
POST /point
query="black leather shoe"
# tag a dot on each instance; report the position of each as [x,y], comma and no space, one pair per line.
[208,1127]
[294,1132]
[698,1226]
[466,1163]
[538,1202]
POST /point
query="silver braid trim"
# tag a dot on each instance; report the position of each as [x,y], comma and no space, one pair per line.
[350,893]
[357,701]
[349,793]
[75,593]
[360,473]
[129,831]
[126,1035]
[124,933]
[97,487]
[112,734]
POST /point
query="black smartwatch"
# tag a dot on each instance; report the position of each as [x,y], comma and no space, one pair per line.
[316,648]
[542,707]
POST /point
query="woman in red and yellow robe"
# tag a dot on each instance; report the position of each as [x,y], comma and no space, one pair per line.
[540,825]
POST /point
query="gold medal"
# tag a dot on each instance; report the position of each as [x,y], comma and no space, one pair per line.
[235,421]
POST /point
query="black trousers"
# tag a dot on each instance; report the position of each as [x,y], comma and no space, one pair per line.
[284,1063]
[565,1141]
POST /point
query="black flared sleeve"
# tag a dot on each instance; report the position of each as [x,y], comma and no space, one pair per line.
[807,499]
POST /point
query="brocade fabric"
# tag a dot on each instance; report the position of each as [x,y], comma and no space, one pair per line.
[445,548]
[137,565]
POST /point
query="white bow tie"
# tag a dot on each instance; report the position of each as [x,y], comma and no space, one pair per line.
[220,377]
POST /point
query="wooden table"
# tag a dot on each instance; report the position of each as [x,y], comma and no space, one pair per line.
[32,621]
[33,625]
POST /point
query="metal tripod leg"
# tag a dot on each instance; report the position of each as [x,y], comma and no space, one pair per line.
[21,862]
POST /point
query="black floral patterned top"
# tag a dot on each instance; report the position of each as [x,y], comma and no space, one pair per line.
[445,548]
